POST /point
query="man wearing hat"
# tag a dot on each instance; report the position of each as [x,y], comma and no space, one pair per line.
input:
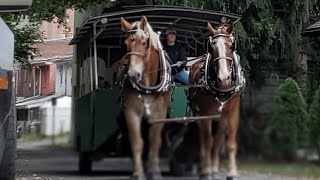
[177,56]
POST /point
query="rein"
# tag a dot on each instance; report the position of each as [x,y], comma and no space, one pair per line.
[173,65]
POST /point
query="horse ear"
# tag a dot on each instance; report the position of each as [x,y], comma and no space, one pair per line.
[229,27]
[210,29]
[125,25]
[143,23]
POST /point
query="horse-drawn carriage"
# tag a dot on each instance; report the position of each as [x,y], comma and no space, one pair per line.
[106,110]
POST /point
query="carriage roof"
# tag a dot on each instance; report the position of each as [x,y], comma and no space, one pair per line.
[190,23]
[313,30]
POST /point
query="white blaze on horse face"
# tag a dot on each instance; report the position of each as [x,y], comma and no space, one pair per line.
[136,69]
[223,73]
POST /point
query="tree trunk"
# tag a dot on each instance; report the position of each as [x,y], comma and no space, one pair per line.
[300,59]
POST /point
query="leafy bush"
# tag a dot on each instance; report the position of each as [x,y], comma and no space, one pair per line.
[314,124]
[287,129]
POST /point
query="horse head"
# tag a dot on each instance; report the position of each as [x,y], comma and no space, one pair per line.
[141,41]
[221,42]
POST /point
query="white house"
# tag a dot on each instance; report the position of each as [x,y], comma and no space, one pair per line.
[58,118]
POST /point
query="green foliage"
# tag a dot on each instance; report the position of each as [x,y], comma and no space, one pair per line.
[269,29]
[287,129]
[314,124]
[26,36]
[313,79]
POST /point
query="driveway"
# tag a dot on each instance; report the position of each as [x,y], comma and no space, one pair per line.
[36,161]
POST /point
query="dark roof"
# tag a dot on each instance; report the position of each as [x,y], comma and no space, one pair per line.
[189,22]
[313,30]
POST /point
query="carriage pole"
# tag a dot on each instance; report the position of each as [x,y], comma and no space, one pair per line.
[185,119]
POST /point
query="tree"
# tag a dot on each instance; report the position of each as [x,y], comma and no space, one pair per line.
[269,28]
[41,10]
[314,124]
[287,129]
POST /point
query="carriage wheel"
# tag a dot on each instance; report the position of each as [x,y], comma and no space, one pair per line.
[182,161]
[7,165]
[85,163]
[8,145]
[180,169]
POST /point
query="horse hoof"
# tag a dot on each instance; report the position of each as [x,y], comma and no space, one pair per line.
[136,177]
[154,176]
[205,177]
[215,176]
[232,178]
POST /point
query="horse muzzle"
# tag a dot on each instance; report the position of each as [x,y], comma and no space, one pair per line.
[224,81]
[135,76]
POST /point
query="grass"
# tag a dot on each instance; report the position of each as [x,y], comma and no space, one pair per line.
[31,138]
[34,137]
[61,146]
[290,169]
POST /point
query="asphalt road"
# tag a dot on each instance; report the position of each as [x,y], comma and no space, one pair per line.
[35,161]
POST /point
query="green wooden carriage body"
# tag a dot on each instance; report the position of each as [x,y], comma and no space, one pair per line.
[99,44]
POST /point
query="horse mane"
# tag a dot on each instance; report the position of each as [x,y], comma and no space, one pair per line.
[222,29]
[153,36]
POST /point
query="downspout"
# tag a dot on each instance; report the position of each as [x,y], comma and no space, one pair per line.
[39,84]
[34,81]
[65,79]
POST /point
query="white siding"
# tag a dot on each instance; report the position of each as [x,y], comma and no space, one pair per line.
[62,120]
[6,46]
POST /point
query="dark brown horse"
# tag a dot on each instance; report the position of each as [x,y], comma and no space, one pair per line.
[220,73]
[146,93]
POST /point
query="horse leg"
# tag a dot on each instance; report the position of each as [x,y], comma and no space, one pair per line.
[206,140]
[154,172]
[136,142]
[217,141]
[231,141]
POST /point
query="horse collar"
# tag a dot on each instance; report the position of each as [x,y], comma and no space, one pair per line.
[239,81]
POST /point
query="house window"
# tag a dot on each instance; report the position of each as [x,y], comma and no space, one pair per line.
[31,115]
[61,74]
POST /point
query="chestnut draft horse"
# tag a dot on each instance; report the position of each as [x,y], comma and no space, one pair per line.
[146,93]
[221,75]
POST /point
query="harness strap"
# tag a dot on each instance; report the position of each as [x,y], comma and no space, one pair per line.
[165,81]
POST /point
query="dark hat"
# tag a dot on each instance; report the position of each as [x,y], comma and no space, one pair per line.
[170,30]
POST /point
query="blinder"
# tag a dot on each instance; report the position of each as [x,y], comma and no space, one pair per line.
[233,74]
[234,45]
